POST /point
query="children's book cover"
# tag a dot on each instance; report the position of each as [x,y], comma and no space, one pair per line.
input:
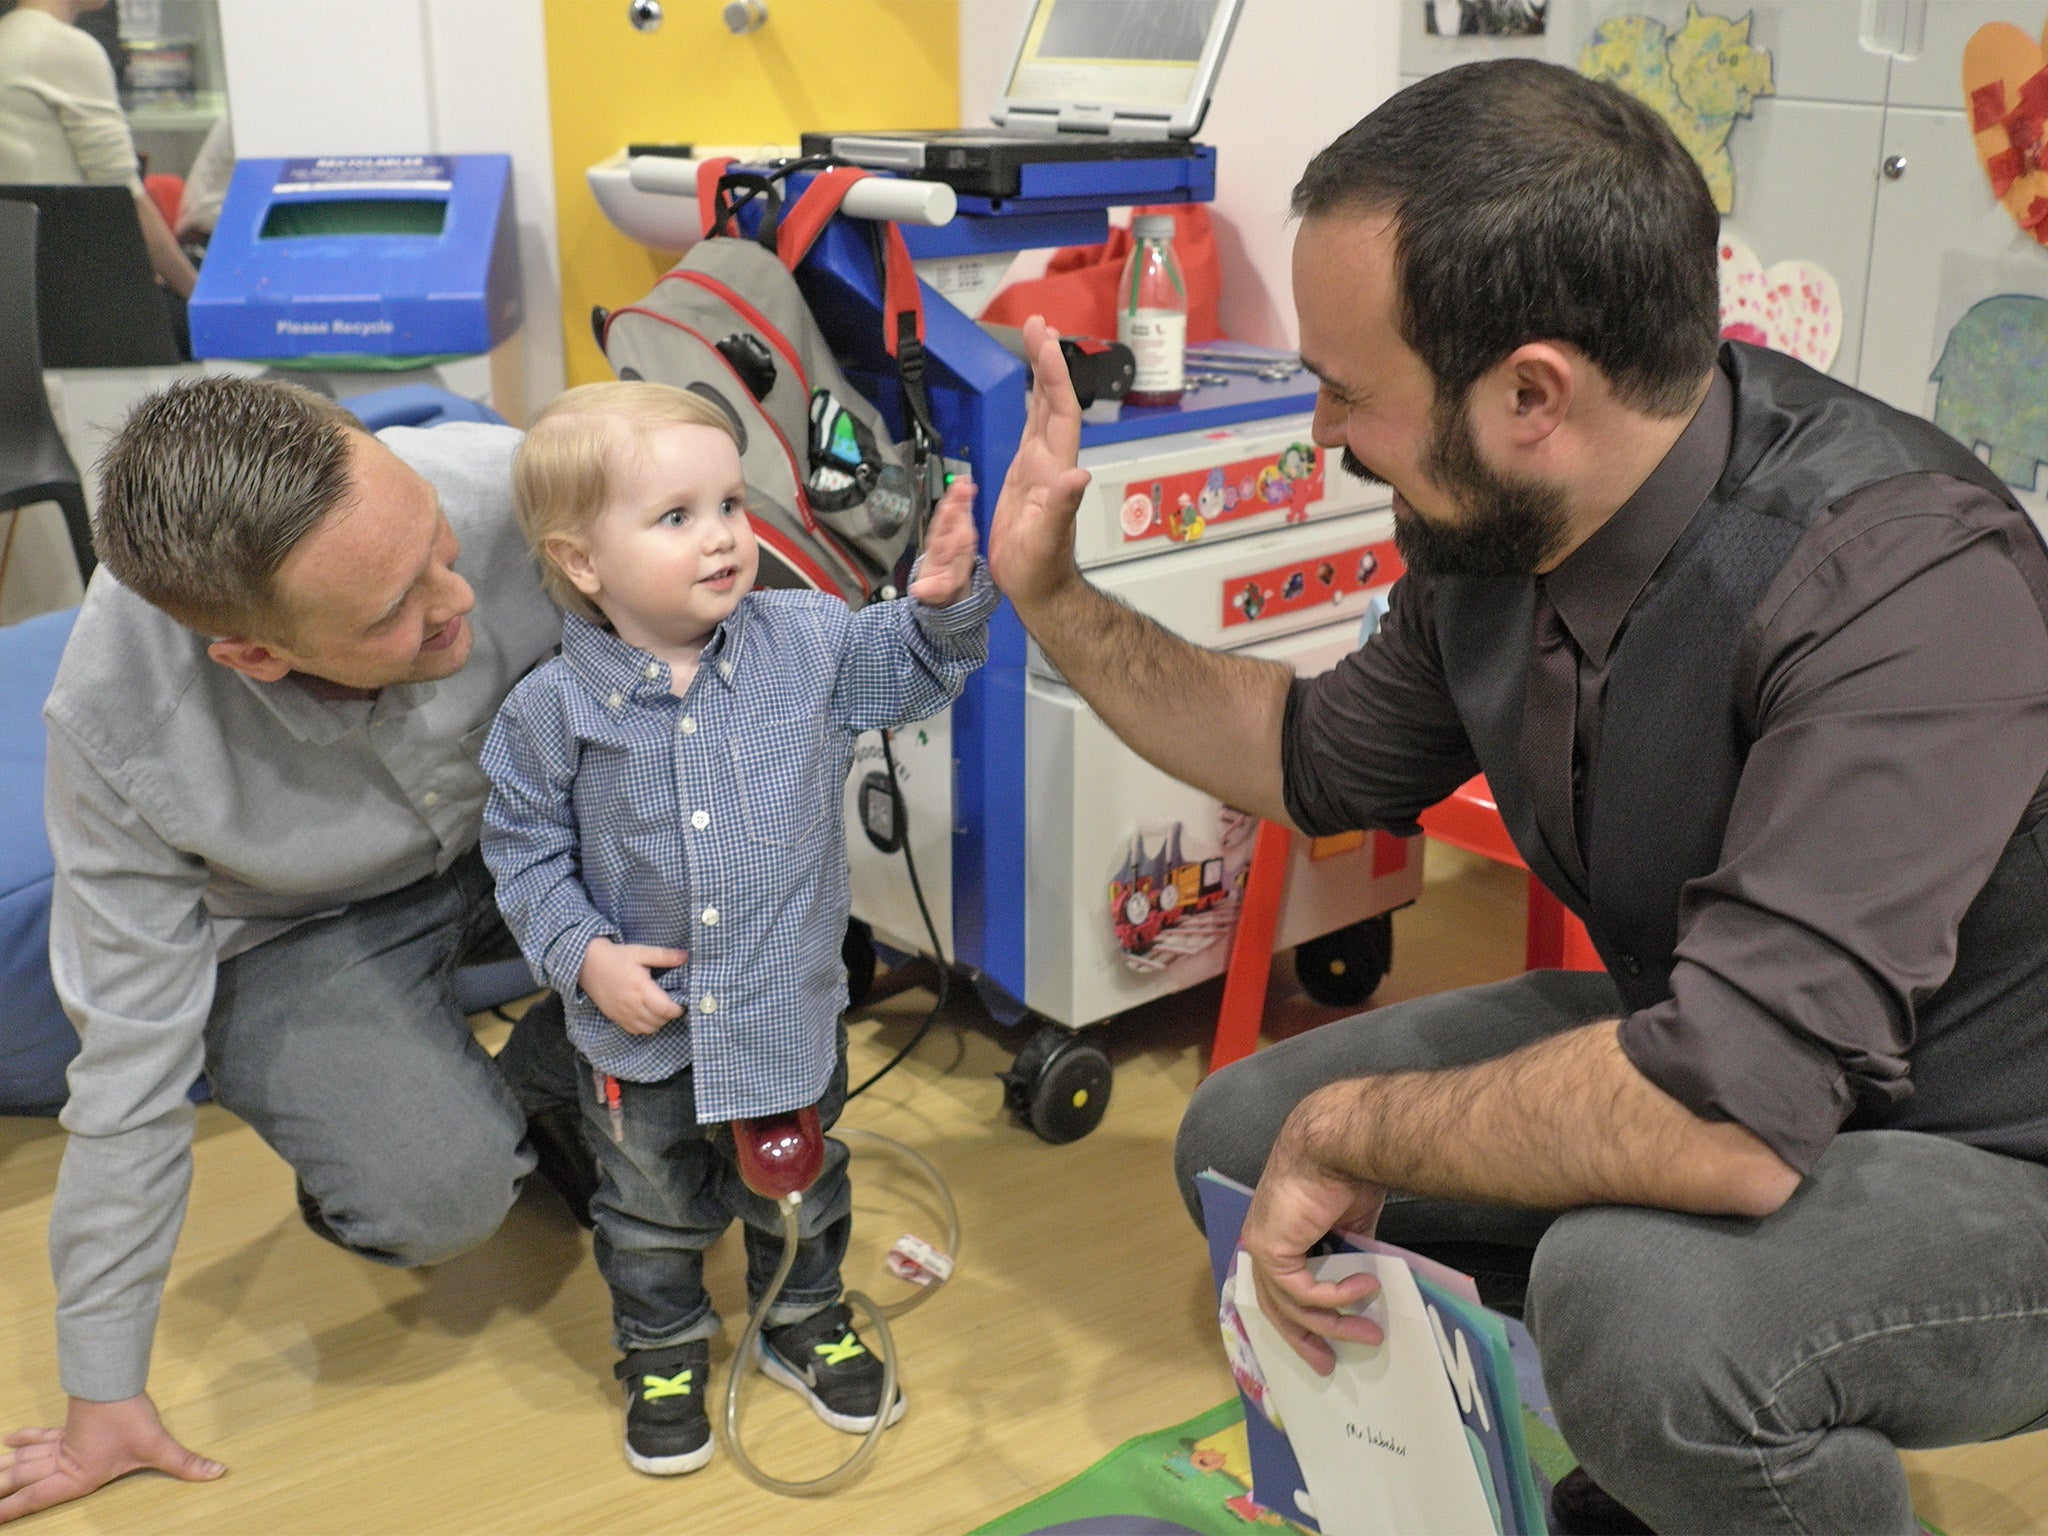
[1482,1361]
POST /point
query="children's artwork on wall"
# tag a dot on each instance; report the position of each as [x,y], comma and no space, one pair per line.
[1989,377]
[1795,307]
[1484,18]
[2005,90]
[1699,79]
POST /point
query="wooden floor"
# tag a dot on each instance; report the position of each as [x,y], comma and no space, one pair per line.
[479,1397]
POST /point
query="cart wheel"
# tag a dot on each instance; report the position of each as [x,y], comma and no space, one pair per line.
[1341,969]
[858,951]
[1058,1085]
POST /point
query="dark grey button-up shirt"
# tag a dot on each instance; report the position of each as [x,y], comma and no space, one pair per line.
[1901,708]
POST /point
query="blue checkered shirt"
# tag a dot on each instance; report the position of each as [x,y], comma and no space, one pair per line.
[711,823]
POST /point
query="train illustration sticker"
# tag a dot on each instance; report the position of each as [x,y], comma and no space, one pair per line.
[1165,904]
[1183,507]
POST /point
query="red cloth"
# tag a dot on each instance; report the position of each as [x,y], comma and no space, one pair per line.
[167,192]
[1078,296]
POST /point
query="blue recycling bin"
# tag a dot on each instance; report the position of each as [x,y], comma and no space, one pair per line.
[361,261]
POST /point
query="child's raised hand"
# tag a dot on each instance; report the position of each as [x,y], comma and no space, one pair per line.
[947,568]
[616,978]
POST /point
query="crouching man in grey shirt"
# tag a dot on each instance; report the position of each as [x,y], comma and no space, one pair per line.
[263,801]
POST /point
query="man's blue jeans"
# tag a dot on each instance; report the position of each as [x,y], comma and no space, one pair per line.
[668,1187]
[1718,1374]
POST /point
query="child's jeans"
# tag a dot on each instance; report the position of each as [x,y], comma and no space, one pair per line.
[668,1187]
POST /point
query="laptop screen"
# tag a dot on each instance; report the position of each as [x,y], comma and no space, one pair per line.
[1114,52]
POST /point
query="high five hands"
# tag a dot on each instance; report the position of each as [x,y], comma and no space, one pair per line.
[1031,538]
[946,569]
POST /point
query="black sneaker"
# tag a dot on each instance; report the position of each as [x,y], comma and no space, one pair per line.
[823,1360]
[667,1429]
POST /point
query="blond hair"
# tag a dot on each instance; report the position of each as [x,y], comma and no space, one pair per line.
[561,474]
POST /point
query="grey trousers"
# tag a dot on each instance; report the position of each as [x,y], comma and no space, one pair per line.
[1719,1374]
[341,1045]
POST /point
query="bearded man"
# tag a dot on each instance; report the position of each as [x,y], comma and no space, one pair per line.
[1757,668]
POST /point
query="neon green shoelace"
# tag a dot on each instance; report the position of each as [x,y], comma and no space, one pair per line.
[843,1351]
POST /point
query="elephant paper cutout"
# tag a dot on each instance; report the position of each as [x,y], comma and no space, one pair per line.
[1990,385]
[1698,79]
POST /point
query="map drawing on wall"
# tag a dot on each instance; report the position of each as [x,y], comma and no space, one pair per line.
[1699,79]
[1165,905]
[2005,89]
[1989,377]
[1794,308]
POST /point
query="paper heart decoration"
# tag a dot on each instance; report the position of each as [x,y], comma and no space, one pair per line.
[1794,308]
[2005,88]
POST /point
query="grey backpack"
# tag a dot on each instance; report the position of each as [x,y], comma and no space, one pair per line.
[834,502]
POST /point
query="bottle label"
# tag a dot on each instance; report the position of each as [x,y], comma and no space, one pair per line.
[1158,340]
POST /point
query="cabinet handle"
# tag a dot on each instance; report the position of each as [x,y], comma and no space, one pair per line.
[1894,167]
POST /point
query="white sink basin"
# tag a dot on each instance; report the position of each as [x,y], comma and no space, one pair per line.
[658,219]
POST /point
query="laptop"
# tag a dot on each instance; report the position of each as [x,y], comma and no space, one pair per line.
[1093,80]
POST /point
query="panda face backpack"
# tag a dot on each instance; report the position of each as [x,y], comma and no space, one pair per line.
[834,502]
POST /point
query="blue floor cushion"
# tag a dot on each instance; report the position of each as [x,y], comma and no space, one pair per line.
[36,1039]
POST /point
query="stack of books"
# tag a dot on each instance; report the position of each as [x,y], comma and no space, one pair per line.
[1427,1431]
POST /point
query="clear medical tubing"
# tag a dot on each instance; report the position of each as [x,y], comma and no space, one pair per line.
[877,1318]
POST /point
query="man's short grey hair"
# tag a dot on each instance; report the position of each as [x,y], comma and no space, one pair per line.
[206,489]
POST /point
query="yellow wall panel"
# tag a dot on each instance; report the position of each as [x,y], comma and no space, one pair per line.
[817,64]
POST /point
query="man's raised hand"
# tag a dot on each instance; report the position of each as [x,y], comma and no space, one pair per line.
[1031,537]
[98,1443]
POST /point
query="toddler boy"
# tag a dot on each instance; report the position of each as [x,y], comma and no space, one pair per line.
[665,828]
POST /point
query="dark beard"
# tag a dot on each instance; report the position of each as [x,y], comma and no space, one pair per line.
[1355,465]
[1509,527]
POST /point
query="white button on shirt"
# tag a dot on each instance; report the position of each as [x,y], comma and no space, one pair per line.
[700,819]
[687,725]
[430,799]
[708,1005]
[711,917]
[653,670]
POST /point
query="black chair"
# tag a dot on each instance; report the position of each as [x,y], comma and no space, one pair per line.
[100,302]
[34,463]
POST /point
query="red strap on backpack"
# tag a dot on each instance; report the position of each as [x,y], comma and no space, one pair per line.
[806,219]
[900,296]
[709,173]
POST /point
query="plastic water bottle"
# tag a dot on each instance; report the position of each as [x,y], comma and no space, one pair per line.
[1152,315]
